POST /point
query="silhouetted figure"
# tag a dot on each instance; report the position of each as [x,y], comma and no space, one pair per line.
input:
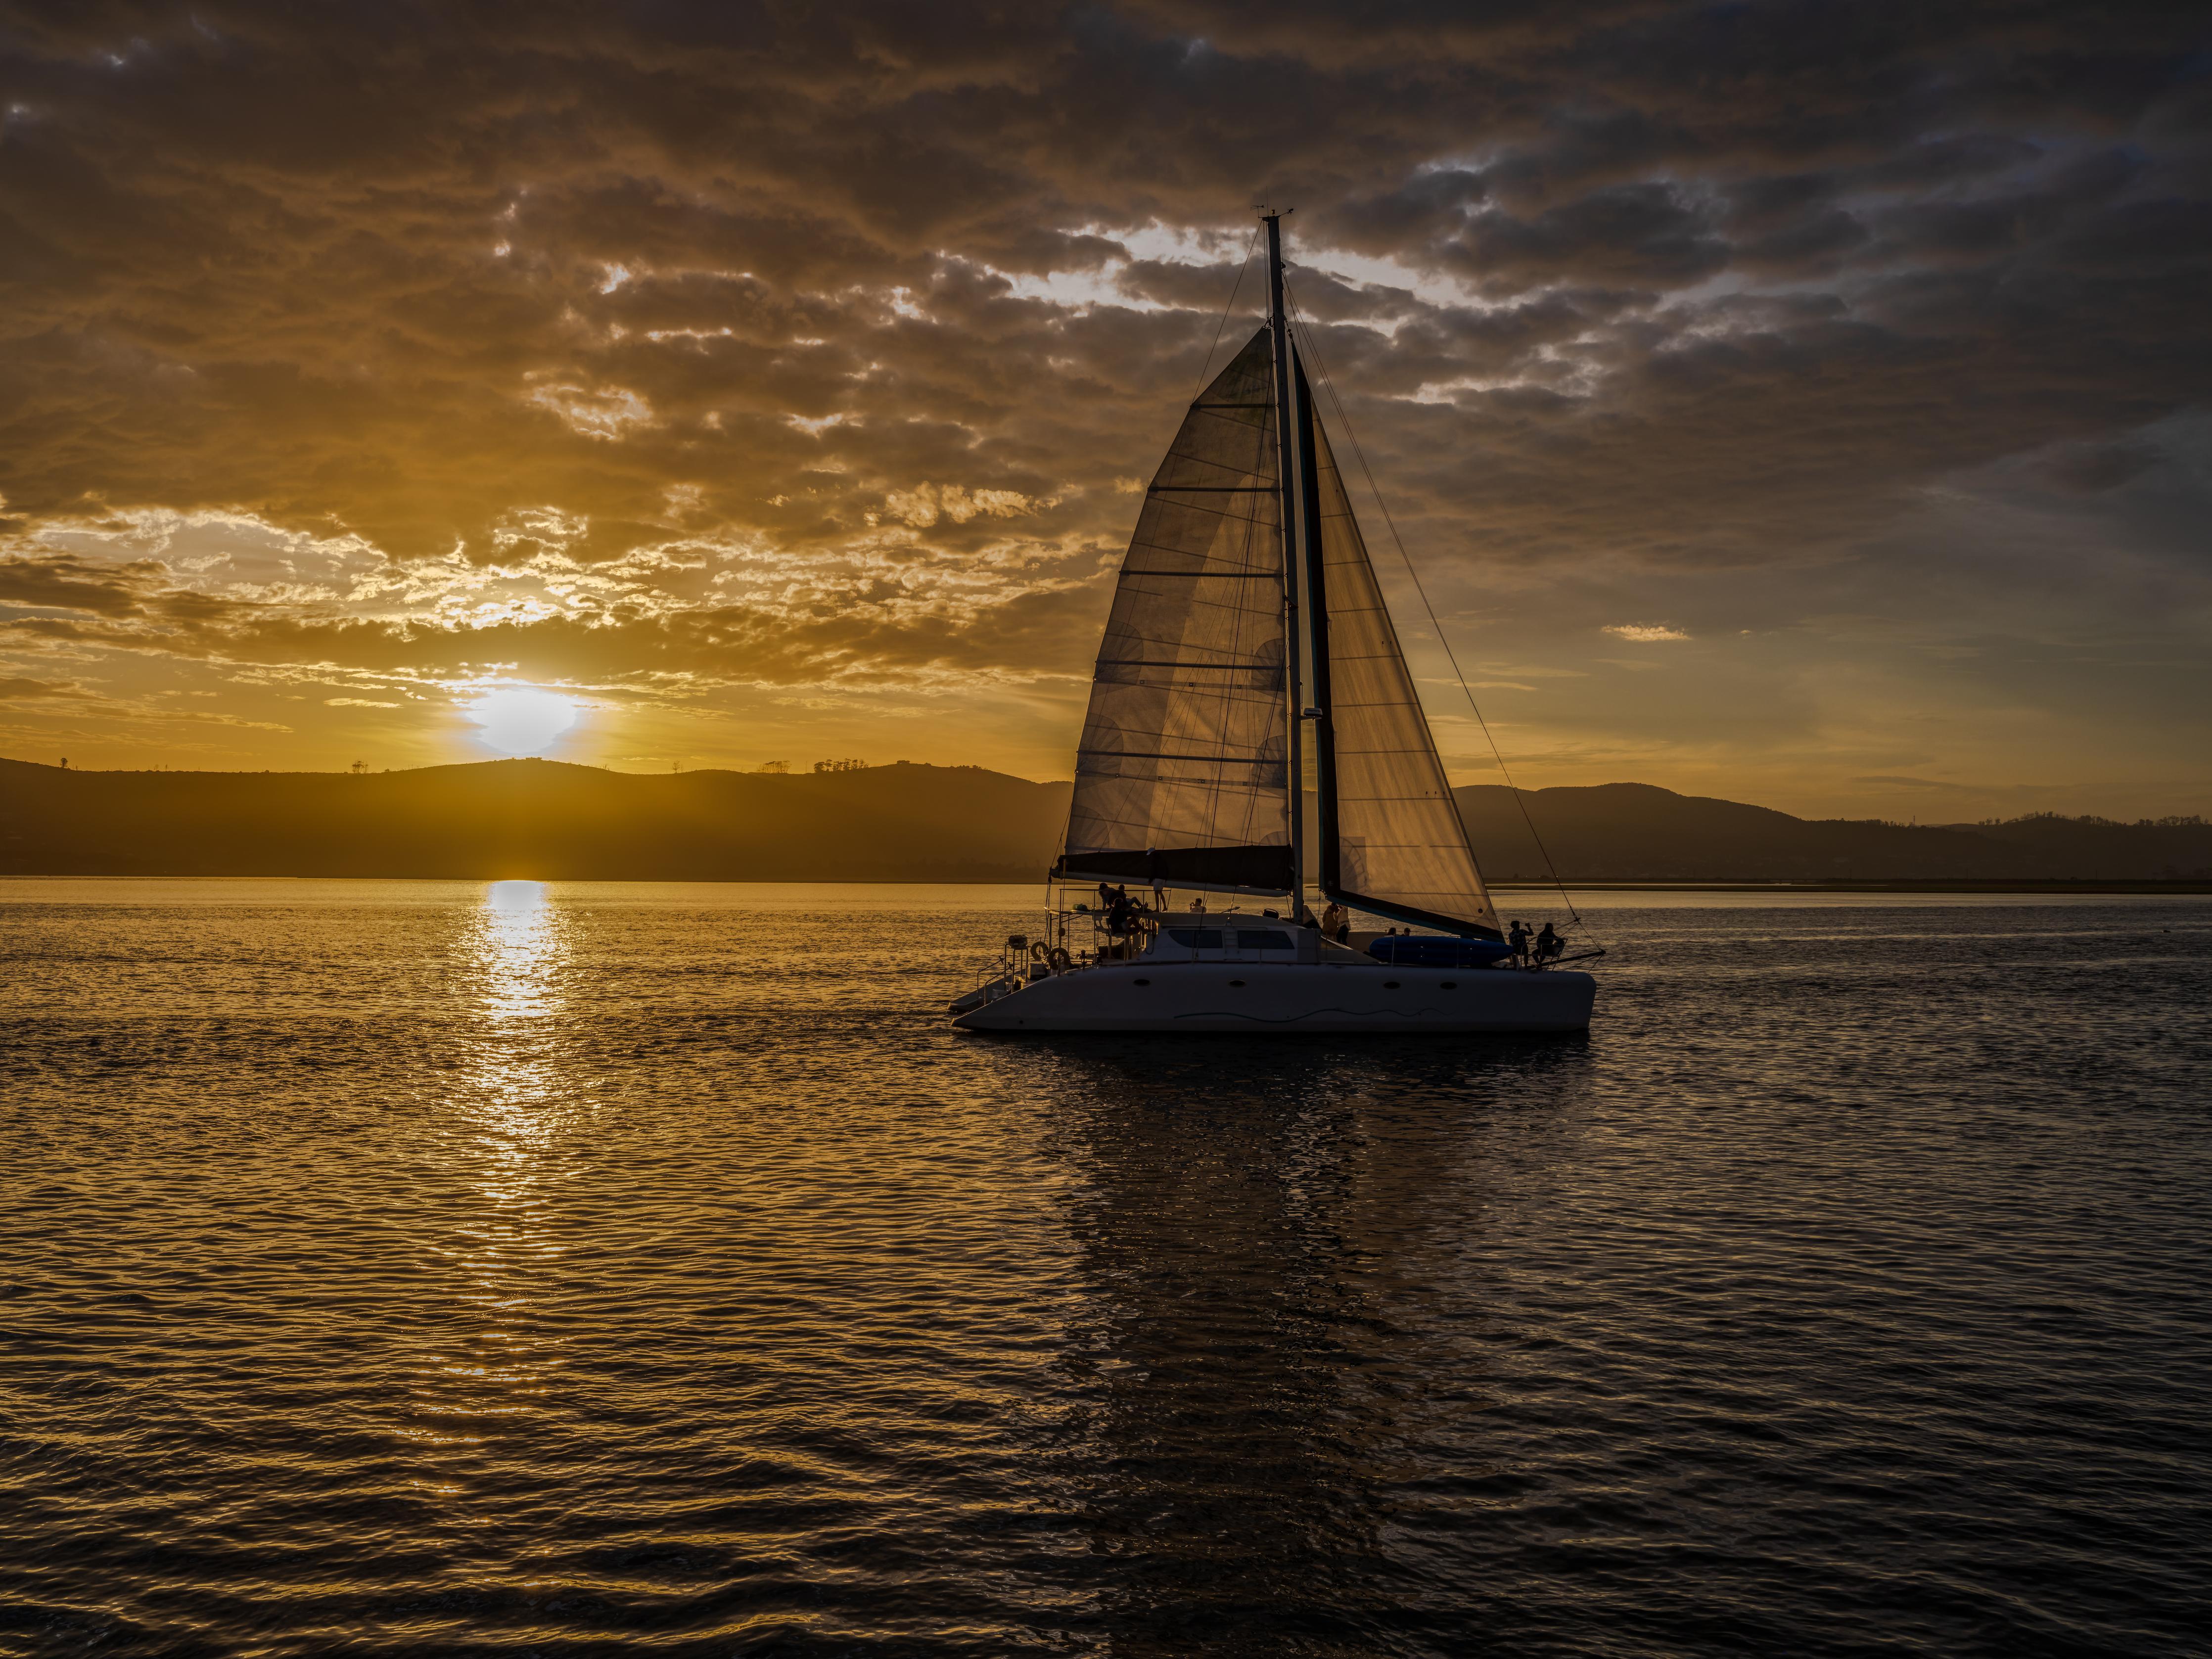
[1336,921]
[1517,938]
[1548,943]
[1121,915]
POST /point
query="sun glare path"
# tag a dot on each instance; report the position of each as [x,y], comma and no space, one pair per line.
[521,720]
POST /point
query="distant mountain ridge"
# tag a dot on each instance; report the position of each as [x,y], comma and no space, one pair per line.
[540,819]
[548,820]
[1639,832]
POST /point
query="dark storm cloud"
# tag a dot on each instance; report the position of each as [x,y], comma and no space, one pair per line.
[891,300]
[1644,235]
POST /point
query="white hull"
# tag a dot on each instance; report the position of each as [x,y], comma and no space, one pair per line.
[1258,996]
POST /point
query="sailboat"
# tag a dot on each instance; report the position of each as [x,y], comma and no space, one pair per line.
[1248,634]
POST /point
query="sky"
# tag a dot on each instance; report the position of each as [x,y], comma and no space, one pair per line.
[1808,405]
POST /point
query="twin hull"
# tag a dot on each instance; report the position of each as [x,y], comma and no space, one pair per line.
[1291,996]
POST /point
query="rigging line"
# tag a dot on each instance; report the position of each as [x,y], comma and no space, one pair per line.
[1344,417]
[1250,242]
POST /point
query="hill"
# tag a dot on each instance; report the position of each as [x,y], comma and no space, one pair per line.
[534,818]
[909,823]
[2165,846]
[1636,832]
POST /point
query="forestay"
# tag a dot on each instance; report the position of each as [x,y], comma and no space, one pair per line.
[1182,776]
[1392,839]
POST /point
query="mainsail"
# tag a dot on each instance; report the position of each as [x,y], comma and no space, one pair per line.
[1392,842]
[1182,776]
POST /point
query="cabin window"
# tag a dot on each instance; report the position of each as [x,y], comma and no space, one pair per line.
[1272,938]
[1144,981]
[1236,984]
[1196,938]
[1390,984]
[1448,985]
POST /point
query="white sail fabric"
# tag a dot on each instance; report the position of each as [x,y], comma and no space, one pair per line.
[1182,772]
[1399,837]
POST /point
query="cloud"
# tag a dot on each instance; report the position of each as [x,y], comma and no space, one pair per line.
[608,412]
[60,582]
[16,688]
[715,347]
[924,505]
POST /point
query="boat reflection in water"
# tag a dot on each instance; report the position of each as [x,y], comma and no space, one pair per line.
[1288,1327]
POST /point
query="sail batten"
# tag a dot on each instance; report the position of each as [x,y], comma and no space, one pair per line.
[1183,770]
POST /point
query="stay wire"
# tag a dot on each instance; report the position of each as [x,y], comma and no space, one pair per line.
[1236,287]
[1328,385]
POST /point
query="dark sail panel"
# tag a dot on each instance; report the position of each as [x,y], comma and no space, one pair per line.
[1184,747]
[1240,869]
[1392,840]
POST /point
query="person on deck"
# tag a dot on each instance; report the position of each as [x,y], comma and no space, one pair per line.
[1121,915]
[1548,943]
[1336,921]
[1517,938]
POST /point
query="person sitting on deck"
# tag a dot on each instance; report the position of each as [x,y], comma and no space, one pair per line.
[1336,921]
[1517,938]
[1548,943]
[1121,915]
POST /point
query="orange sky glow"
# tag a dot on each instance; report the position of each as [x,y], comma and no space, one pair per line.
[1818,423]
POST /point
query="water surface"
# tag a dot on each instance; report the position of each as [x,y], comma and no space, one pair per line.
[398,1267]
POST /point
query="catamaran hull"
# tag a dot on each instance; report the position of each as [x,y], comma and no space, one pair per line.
[1284,997]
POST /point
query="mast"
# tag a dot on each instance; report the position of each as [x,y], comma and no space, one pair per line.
[1293,640]
[1329,863]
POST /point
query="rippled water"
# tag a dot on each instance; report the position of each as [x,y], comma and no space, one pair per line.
[429,1268]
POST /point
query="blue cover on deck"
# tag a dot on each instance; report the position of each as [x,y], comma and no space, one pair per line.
[1429,950]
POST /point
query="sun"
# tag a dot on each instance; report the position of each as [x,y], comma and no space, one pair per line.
[521,720]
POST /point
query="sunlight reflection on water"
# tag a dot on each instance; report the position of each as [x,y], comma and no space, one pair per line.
[506,1127]
[458,1267]
[519,948]
[517,954]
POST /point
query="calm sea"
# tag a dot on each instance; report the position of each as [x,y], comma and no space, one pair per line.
[437,1269]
